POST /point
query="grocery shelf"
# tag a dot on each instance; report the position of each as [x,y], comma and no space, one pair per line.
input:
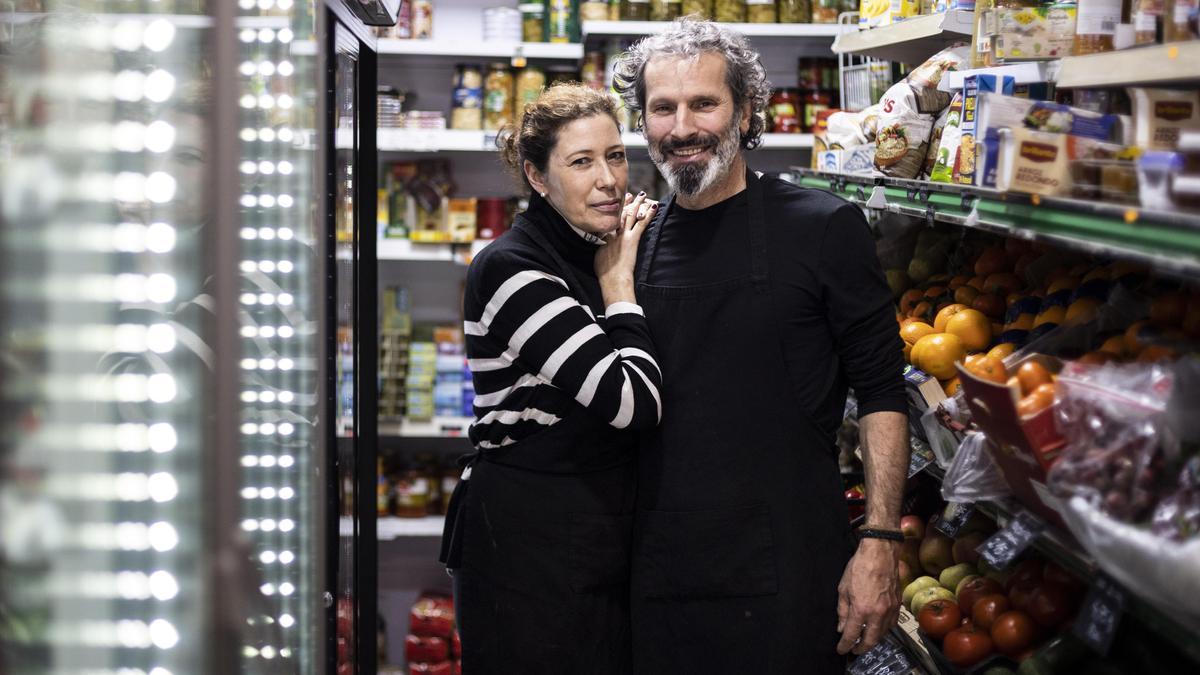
[782,30]
[388,527]
[1029,72]
[1158,65]
[1062,548]
[416,251]
[459,140]
[438,427]
[1168,241]
[910,41]
[481,49]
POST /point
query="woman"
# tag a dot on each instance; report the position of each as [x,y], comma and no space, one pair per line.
[564,371]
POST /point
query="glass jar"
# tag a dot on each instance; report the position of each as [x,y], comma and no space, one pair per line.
[825,11]
[466,111]
[1178,19]
[794,11]
[1095,25]
[635,10]
[701,8]
[412,495]
[760,11]
[497,97]
[785,112]
[730,11]
[665,10]
[814,103]
[531,80]
[593,10]
[533,21]
[562,22]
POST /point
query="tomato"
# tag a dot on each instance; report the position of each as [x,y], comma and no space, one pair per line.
[975,589]
[855,510]
[1054,573]
[1031,374]
[967,645]
[1028,572]
[1013,632]
[1051,605]
[939,617]
[986,609]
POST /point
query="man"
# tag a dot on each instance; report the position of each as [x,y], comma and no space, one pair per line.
[766,302]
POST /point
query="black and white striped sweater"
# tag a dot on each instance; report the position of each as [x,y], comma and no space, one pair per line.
[537,353]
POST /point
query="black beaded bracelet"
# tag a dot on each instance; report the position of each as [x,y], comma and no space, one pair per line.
[890,535]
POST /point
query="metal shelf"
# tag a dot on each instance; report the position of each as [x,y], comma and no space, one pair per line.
[1167,241]
[389,527]
[910,41]
[1029,72]
[459,140]
[407,250]
[469,49]
[771,30]
[1158,65]
[438,427]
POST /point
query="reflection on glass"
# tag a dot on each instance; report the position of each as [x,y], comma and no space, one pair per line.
[103,367]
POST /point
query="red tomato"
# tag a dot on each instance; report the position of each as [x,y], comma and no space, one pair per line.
[856,510]
[939,617]
[975,589]
[1013,632]
[1055,574]
[966,646]
[1051,605]
[1027,573]
[987,608]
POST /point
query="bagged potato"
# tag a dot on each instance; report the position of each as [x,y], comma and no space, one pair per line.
[903,136]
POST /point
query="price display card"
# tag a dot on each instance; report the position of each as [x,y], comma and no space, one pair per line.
[920,456]
[1002,548]
[1097,620]
[885,658]
[953,518]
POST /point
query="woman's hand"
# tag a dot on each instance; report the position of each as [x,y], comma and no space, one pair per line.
[615,260]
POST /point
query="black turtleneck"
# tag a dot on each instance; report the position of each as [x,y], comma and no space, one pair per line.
[541,345]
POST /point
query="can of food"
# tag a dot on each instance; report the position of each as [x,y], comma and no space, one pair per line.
[490,217]
[467,101]
[497,97]
[422,19]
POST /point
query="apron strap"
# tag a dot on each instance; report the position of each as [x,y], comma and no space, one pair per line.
[656,227]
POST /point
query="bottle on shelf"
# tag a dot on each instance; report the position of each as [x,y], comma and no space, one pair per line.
[761,11]
[730,11]
[701,8]
[635,10]
[794,11]
[1179,20]
[562,21]
[533,21]
[593,10]
[497,97]
[1095,26]
[665,10]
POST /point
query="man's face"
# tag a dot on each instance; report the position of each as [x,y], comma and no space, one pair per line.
[693,128]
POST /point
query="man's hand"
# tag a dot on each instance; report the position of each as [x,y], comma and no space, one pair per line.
[868,597]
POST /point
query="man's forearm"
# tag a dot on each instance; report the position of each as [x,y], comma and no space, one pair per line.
[884,439]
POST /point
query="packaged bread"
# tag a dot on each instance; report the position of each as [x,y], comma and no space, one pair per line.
[1160,115]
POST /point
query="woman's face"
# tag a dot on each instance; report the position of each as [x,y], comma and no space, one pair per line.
[586,174]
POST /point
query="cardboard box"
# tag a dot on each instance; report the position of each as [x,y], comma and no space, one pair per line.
[1024,449]
[875,13]
[1032,33]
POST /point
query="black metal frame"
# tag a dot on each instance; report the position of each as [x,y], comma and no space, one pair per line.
[366,336]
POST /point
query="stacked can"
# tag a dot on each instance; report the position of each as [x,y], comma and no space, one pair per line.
[501,24]
[467,108]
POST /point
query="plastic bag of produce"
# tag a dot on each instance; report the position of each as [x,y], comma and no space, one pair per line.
[973,475]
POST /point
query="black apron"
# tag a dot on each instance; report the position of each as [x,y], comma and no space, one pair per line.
[537,539]
[741,531]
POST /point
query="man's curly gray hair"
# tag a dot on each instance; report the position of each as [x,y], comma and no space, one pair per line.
[690,37]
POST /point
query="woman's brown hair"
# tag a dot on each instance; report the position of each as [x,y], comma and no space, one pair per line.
[536,132]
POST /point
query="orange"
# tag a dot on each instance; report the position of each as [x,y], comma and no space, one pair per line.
[1098,273]
[1022,322]
[943,316]
[1082,310]
[992,260]
[1095,358]
[923,311]
[988,368]
[915,330]
[1114,345]
[990,304]
[958,282]
[976,282]
[952,386]
[1054,315]
[972,327]
[1023,262]
[1063,283]
[909,299]
[938,353]
[933,292]
[1002,350]
[1133,344]
[1032,375]
[965,295]
[1002,283]
[1036,401]
[1156,353]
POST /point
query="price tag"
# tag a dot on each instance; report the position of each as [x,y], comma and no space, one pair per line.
[919,457]
[1003,547]
[1097,620]
[953,518]
[885,658]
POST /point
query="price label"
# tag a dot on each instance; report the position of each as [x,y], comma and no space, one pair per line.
[1003,547]
[954,518]
[919,457]
[885,658]
[1097,620]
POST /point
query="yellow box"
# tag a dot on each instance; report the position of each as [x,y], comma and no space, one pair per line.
[876,13]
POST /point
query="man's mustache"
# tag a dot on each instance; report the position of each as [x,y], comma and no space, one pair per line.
[701,140]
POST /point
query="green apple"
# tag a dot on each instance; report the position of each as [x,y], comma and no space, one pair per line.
[952,576]
[920,584]
[929,594]
[959,587]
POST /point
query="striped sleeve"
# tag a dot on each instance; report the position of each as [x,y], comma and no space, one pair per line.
[524,328]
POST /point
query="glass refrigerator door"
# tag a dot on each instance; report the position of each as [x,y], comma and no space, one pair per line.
[351,76]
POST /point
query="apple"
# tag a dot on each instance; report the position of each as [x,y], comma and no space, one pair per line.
[918,585]
[912,527]
[910,552]
[936,553]
[906,573]
[951,576]
[964,547]
[975,589]
[929,594]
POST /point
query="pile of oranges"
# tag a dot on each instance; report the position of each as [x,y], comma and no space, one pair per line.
[988,308]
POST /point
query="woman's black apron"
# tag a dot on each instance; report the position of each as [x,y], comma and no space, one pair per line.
[537,539]
[741,532]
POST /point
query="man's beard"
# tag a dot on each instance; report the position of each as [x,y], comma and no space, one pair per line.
[693,178]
